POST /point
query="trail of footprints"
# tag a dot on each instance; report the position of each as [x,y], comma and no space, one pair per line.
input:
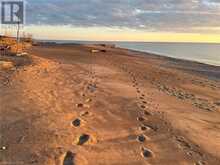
[145,152]
[183,143]
[143,105]
[91,88]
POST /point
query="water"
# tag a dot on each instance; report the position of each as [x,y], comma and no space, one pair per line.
[200,52]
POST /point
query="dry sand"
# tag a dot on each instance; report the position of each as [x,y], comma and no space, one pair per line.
[120,107]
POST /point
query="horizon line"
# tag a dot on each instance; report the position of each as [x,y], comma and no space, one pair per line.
[79,40]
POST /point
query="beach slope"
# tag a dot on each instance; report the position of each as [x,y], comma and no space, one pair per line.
[110,107]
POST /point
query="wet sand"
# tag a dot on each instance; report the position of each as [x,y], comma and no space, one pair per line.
[120,107]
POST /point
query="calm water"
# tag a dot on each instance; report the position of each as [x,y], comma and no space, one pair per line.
[204,53]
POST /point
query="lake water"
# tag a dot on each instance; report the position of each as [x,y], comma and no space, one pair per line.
[200,52]
[204,53]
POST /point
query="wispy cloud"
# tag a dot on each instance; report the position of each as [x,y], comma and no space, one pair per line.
[148,15]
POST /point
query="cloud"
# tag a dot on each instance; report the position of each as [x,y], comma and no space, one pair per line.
[148,15]
[214,4]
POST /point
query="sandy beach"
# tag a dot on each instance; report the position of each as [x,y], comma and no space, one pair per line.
[63,105]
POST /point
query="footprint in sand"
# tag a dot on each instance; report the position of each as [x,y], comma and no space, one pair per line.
[140,119]
[69,158]
[84,113]
[144,128]
[141,138]
[147,113]
[144,102]
[76,122]
[146,153]
[135,83]
[142,98]
[83,139]
[92,87]
[143,106]
[151,127]
[80,105]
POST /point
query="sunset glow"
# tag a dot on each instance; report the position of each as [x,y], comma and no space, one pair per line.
[108,34]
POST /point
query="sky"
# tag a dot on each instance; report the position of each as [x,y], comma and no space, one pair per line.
[126,20]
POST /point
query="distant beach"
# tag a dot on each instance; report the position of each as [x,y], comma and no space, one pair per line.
[206,53]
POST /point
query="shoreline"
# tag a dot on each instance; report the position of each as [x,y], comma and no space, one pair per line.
[170,58]
[203,69]
[143,51]
[209,70]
